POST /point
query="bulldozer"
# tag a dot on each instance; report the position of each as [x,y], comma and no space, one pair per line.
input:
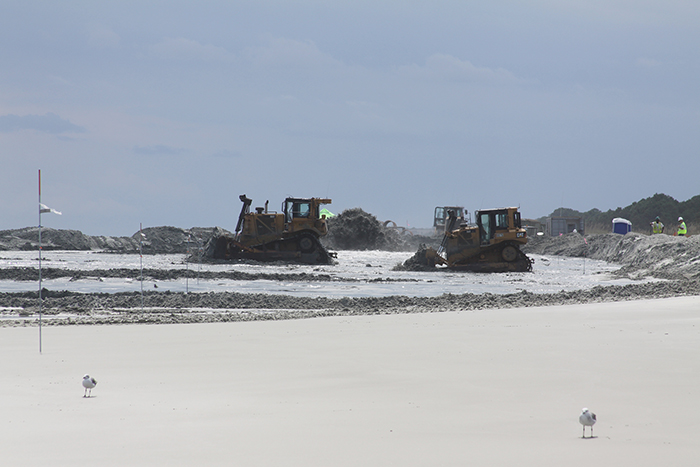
[291,235]
[492,245]
[442,215]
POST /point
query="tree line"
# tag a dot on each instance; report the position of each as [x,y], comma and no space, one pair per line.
[641,213]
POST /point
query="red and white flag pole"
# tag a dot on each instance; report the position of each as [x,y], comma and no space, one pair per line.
[42,209]
[40,297]
[141,237]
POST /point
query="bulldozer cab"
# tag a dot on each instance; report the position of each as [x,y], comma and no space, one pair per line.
[442,215]
[304,214]
[496,225]
[296,209]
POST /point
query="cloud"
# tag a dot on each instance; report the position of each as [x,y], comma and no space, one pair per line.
[451,68]
[186,49]
[49,123]
[287,53]
[158,149]
[100,36]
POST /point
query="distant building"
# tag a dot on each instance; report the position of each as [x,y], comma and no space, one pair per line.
[556,226]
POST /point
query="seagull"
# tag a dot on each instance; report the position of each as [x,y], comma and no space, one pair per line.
[587,418]
[88,383]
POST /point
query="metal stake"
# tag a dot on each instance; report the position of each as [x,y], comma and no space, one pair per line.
[40,297]
[141,235]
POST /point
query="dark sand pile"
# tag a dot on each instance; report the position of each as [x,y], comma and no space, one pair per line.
[54,239]
[157,240]
[164,240]
[354,229]
[417,262]
[31,274]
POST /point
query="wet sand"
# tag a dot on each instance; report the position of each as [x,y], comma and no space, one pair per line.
[492,387]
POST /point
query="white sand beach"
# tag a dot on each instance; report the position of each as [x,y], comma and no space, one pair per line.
[494,387]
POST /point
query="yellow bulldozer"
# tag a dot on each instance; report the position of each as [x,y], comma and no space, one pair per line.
[492,245]
[290,235]
[442,215]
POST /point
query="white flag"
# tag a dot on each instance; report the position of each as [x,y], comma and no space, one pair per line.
[44,209]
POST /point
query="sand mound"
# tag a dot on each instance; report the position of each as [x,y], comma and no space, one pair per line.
[354,229]
[54,239]
[661,256]
[158,240]
[417,262]
[162,240]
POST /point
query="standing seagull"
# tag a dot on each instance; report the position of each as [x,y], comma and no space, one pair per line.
[587,419]
[89,383]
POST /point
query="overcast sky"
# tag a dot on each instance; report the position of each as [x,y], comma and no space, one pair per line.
[163,112]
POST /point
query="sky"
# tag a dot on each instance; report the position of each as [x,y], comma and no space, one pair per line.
[163,113]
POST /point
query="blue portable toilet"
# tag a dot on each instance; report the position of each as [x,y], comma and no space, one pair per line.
[621,226]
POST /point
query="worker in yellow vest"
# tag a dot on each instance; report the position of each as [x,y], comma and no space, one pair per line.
[681,227]
[657,227]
